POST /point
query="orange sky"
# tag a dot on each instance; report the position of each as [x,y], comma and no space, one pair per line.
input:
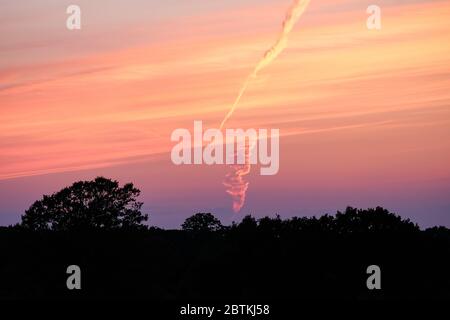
[103,96]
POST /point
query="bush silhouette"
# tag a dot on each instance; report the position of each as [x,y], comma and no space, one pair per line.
[202,222]
[100,203]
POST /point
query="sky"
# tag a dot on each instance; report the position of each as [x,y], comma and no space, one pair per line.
[364,115]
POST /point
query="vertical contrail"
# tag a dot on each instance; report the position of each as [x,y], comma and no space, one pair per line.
[235,183]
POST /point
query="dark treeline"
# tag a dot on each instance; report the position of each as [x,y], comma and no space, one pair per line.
[269,258]
[258,259]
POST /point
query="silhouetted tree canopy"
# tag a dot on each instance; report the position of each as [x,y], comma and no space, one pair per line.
[350,221]
[307,258]
[202,222]
[247,224]
[371,220]
[100,203]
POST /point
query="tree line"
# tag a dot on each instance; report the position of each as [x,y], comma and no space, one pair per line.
[99,226]
[103,204]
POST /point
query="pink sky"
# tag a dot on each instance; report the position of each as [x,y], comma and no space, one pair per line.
[364,115]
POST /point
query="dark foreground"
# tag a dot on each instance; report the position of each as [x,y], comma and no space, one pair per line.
[268,262]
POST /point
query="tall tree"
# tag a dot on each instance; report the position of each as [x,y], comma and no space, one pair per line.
[100,203]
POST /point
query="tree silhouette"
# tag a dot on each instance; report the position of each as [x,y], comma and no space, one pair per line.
[268,258]
[371,220]
[100,203]
[247,224]
[202,222]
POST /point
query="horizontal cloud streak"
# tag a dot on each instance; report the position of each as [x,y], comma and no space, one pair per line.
[103,107]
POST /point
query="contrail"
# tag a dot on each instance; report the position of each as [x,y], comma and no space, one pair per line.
[294,13]
[234,182]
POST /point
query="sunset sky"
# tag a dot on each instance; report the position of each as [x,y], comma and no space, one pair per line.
[364,115]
